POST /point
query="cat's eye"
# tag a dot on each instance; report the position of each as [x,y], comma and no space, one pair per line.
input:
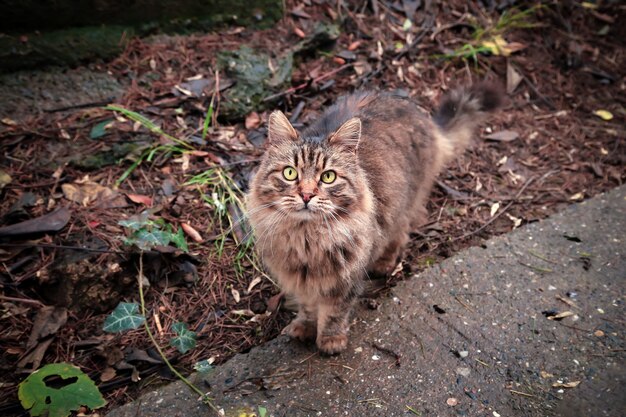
[290,173]
[328,177]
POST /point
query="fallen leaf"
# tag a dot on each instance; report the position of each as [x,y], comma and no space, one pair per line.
[253,284]
[545,375]
[108,374]
[572,384]
[603,114]
[51,222]
[274,302]
[516,221]
[598,333]
[235,294]
[5,179]
[494,209]
[47,322]
[191,232]
[503,136]
[253,121]
[513,78]
[9,122]
[88,193]
[354,45]
[140,199]
[577,196]
[299,32]
[298,12]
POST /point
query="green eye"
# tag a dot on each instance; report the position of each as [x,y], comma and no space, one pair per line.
[290,173]
[328,177]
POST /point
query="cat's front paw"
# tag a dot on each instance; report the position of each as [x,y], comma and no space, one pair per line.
[332,344]
[300,330]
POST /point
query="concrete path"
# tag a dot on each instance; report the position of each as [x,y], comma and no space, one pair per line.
[467,337]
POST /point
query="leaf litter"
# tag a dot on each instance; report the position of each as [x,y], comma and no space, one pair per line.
[180,92]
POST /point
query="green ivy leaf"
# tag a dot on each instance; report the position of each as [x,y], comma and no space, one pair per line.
[124,317]
[78,390]
[147,239]
[136,222]
[186,339]
[178,239]
[100,129]
[203,366]
[262,411]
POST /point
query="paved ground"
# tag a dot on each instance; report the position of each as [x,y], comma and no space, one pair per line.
[467,337]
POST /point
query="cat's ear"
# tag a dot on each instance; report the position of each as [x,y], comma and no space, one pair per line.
[348,135]
[279,129]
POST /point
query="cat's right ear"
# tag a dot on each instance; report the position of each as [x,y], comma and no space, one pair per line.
[279,129]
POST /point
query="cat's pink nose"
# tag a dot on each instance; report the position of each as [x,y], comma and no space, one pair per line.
[306,197]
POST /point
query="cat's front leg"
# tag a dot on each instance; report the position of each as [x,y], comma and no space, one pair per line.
[304,326]
[333,324]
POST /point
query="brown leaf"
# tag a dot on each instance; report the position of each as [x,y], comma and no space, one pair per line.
[561,316]
[47,322]
[140,199]
[513,78]
[354,45]
[253,121]
[274,302]
[108,374]
[191,232]
[503,136]
[88,193]
[299,32]
[51,222]
[298,12]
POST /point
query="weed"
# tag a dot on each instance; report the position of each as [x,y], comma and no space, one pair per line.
[490,39]
[149,154]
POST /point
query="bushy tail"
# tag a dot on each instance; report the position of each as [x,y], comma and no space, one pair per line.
[462,110]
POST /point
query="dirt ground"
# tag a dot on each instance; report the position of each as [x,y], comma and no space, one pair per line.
[564,70]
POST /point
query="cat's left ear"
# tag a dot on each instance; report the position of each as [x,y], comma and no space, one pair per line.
[348,135]
[279,129]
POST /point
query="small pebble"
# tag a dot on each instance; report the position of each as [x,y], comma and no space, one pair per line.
[358,350]
[375,357]
[452,401]
[598,333]
[463,372]
[600,311]
[496,414]
[463,353]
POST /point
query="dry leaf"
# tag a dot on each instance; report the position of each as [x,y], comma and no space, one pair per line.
[108,374]
[577,196]
[253,121]
[516,221]
[603,114]
[299,32]
[354,45]
[9,122]
[503,136]
[191,232]
[494,209]
[598,333]
[236,295]
[545,375]
[513,78]
[256,281]
[140,199]
[572,384]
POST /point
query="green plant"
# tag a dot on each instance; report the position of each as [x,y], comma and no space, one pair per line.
[147,233]
[490,39]
[38,395]
[149,154]
[125,317]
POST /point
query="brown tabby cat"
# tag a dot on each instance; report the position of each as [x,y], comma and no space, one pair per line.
[340,198]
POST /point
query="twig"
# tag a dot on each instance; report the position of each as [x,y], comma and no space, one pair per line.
[81,106]
[22,300]
[304,85]
[536,268]
[521,393]
[205,398]
[51,246]
[463,304]
[500,213]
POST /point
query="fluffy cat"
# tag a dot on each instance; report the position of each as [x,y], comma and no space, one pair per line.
[339,199]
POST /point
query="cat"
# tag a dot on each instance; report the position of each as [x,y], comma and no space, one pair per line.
[338,200]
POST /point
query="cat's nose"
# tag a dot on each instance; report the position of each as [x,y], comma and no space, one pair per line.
[306,197]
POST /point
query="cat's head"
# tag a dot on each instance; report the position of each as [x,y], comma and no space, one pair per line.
[310,177]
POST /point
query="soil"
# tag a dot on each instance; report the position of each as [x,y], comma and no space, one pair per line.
[569,65]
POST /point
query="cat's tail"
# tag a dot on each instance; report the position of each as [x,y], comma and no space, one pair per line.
[461,111]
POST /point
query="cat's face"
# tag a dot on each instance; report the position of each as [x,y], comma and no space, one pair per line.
[306,179]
